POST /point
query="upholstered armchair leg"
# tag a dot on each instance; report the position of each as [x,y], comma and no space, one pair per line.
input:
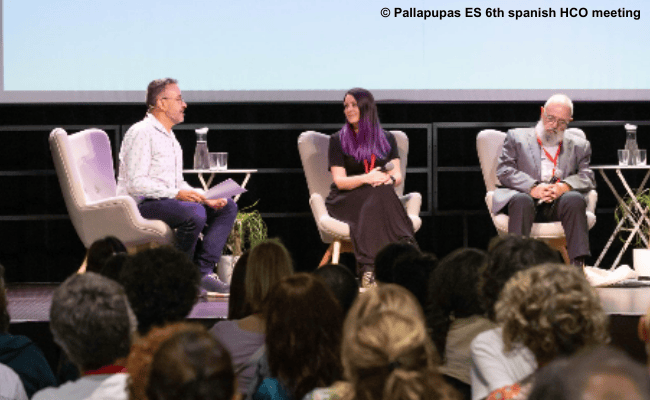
[326,256]
[336,254]
[559,244]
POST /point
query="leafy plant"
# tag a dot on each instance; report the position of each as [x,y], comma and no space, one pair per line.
[248,230]
[642,235]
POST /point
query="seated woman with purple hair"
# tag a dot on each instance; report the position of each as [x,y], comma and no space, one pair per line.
[362,195]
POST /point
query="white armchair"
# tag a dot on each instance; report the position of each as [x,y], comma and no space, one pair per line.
[489,143]
[84,165]
[313,148]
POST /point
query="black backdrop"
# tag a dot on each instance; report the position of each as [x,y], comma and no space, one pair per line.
[38,243]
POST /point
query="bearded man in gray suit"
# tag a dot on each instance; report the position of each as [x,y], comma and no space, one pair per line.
[544,175]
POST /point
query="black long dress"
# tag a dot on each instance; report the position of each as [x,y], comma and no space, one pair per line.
[376,215]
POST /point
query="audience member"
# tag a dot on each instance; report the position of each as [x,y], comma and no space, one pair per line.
[412,272]
[21,354]
[386,351]
[303,340]
[114,265]
[341,282]
[492,366]
[238,308]
[162,286]
[268,262]
[11,388]
[455,315]
[92,321]
[99,252]
[140,360]
[553,311]
[191,365]
[603,373]
[385,259]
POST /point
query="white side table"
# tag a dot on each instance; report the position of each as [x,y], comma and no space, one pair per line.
[636,222]
[206,185]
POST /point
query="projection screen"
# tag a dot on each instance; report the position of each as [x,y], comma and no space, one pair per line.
[79,51]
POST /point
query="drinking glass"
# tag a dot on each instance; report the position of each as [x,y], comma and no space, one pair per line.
[623,157]
[642,157]
[222,161]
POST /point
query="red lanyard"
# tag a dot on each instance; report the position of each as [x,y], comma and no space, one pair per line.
[552,159]
[108,369]
[372,163]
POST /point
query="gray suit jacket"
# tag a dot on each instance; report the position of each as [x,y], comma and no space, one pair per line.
[520,165]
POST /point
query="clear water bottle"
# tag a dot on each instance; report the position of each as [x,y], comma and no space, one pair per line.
[201,160]
[631,145]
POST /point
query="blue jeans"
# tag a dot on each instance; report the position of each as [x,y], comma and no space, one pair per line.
[189,220]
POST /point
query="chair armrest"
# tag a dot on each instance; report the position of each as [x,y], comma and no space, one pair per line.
[333,228]
[412,203]
[318,207]
[592,199]
[118,216]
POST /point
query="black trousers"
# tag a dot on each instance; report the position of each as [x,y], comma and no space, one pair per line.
[569,209]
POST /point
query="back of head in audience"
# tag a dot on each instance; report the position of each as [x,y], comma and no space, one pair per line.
[303,334]
[553,310]
[91,320]
[140,360]
[4,307]
[113,266]
[453,292]
[191,365]
[162,286]
[268,262]
[341,282]
[387,352]
[238,308]
[385,259]
[603,373]
[506,256]
[412,272]
[101,250]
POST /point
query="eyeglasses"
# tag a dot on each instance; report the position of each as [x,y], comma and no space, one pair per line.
[552,119]
[178,99]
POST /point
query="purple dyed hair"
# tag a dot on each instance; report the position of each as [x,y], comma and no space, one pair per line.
[371,138]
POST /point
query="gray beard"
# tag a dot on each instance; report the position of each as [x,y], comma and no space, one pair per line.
[549,139]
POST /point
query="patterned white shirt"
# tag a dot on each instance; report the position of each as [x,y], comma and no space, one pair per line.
[151,162]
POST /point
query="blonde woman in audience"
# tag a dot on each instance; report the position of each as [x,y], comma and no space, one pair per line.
[553,311]
[267,264]
[387,353]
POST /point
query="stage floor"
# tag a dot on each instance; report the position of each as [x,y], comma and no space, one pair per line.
[31,303]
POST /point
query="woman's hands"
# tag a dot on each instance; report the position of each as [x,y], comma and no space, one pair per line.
[373,178]
[377,178]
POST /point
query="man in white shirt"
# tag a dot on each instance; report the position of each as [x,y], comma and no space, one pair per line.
[544,175]
[151,171]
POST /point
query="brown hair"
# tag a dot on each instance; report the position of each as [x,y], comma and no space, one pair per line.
[303,334]
[142,353]
[191,365]
[267,263]
[553,310]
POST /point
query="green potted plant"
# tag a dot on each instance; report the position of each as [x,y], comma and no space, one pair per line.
[248,230]
[627,212]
